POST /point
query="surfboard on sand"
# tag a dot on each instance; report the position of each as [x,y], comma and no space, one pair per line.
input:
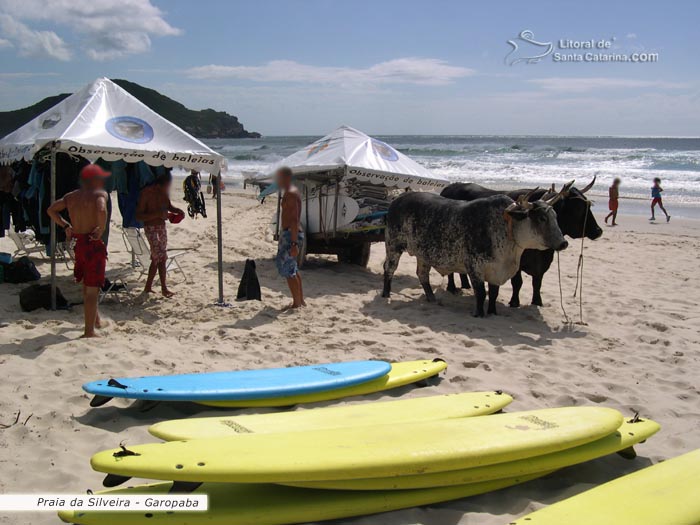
[267,504]
[362,452]
[430,408]
[667,493]
[238,385]
[401,374]
[621,441]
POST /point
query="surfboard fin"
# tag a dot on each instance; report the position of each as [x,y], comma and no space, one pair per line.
[628,453]
[114,480]
[98,401]
[184,487]
[147,404]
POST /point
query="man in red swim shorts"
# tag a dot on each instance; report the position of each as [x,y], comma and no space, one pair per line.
[154,208]
[87,210]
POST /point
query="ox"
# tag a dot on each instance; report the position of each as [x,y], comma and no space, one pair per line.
[573,216]
[483,238]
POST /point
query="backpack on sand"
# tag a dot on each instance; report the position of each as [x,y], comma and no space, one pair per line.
[249,288]
[39,296]
[22,270]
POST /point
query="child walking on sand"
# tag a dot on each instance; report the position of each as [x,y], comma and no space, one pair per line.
[614,195]
[656,190]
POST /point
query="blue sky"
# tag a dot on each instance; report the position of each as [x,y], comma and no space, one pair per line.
[393,67]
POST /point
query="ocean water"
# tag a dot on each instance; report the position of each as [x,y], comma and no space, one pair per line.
[512,161]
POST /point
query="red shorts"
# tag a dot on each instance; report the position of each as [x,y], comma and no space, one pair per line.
[656,200]
[90,261]
[158,241]
[613,204]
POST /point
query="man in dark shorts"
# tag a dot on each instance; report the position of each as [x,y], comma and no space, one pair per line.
[291,237]
[153,209]
[87,209]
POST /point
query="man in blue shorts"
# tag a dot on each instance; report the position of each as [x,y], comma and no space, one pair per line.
[291,237]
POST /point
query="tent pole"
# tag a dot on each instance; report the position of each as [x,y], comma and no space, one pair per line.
[279,208]
[219,240]
[53,228]
[335,206]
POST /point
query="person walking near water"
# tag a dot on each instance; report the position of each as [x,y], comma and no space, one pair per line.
[656,191]
[613,203]
[291,237]
[87,210]
[153,209]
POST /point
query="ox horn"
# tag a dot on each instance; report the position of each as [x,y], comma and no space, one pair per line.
[584,190]
[524,200]
[555,199]
[566,187]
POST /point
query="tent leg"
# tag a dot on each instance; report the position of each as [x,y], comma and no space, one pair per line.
[219,241]
[53,228]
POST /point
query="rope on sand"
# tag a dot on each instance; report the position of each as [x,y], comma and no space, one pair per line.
[561,291]
[579,271]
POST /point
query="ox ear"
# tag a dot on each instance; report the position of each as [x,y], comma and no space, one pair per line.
[590,185]
[517,213]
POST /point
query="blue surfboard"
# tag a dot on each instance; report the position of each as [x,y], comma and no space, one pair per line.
[238,385]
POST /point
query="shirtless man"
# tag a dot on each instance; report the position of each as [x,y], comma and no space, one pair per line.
[291,237]
[153,209]
[87,209]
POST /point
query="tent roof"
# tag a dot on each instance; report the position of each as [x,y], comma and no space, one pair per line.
[362,158]
[102,120]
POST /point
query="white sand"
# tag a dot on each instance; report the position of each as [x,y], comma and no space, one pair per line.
[637,352]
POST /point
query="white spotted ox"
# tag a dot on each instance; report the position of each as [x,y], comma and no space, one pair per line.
[483,238]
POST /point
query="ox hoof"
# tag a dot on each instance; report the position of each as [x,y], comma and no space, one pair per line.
[514,304]
[492,312]
[453,290]
[431,298]
[479,314]
[537,302]
[386,295]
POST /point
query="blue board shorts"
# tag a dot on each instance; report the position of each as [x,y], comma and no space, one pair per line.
[286,264]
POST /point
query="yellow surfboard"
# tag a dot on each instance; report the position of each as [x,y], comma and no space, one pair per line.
[629,434]
[431,408]
[364,452]
[266,504]
[667,493]
[400,374]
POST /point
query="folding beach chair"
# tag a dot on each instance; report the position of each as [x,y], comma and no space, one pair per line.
[26,244]
[136,244]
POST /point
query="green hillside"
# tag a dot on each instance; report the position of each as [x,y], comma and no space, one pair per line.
[203,124]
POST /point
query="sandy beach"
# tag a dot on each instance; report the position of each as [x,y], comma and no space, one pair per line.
[636,351]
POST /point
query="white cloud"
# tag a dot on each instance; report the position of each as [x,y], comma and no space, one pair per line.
[107,28]
[5,43]
[582,84]
[631,36]
[32,43]
[426,71]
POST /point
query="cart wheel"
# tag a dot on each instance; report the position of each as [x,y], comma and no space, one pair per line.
[356,254]
[362,255]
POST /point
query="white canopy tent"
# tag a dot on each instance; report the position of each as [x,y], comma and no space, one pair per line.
[102,120]
[352,154]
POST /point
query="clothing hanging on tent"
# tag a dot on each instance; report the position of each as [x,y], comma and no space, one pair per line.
[136,177]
